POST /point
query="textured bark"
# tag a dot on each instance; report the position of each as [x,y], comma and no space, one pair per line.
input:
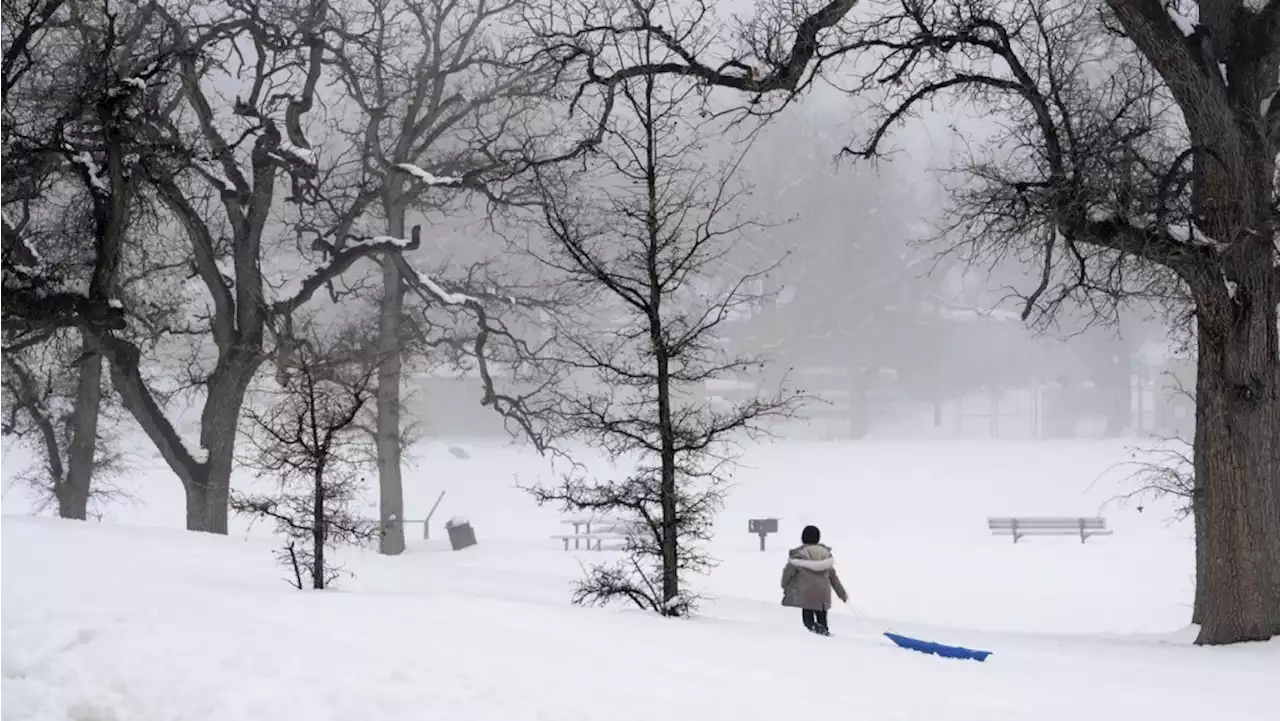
[73,492]
[390,482]
[209,488]
[318,521]
[1220,77]
[206,481]
[1237,463]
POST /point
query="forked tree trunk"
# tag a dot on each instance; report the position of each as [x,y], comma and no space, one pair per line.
[209,487]
[1237,457]
[387,432]
[206,478]
[73,492]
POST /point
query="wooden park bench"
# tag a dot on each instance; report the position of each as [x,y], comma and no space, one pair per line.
[594,531]
[1020,527]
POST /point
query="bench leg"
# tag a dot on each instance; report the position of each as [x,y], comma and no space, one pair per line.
[566,544]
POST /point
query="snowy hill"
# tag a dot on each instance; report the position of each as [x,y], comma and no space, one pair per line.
[114,621]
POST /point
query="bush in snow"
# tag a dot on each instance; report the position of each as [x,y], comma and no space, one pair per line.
[309,439]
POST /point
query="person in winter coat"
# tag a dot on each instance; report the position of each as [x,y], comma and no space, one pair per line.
[808,579]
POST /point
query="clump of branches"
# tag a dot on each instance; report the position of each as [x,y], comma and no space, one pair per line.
[641,237]
[1164,472]
[308,440]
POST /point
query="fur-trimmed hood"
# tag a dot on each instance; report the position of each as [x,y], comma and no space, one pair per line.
[812,557]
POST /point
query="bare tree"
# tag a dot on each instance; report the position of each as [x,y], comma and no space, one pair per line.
[1157,183]
[76,80]
[215,169]
[446,97]
[307,440]
[642,238]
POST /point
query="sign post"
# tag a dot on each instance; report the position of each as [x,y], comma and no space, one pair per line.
[762,527]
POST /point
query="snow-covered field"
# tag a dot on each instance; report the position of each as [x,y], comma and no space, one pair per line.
[135,619]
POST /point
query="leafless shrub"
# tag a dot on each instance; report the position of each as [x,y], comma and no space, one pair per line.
[308,441]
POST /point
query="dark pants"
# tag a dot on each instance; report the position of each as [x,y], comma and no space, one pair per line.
[814,620]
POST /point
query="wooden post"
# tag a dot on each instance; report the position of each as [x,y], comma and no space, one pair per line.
[1014,524]
[1082,536]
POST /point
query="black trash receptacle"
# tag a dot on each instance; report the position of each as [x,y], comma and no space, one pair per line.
[461,534]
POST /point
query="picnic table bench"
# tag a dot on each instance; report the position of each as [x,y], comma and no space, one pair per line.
[605,529]
[1019,527]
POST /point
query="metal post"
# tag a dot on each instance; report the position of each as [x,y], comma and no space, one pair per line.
[762,537]
[426,524]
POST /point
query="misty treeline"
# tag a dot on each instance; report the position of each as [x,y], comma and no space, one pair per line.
[182,182]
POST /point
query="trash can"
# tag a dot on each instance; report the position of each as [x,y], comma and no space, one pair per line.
[461,534]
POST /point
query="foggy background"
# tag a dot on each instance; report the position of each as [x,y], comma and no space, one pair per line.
[893,336]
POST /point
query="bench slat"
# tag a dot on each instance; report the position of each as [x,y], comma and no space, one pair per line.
[1034,524]
[1050,532]
[1029,520]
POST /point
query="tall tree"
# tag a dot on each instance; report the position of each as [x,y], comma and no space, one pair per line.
[641,238]
[77,78]
[237,156]
[446,95]
[1139,160]
[307,438]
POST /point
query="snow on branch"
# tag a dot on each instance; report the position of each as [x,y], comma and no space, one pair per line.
[90,168]
[1194,236]
[340,262]
[515,408]
[430,178]
[435,289]
[1185,24]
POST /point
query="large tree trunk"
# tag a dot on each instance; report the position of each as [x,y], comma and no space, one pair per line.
[205,474]
[387,433]
[1237,456]
[73,492]
[209,488]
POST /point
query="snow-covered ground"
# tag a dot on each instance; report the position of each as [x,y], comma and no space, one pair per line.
[134,619]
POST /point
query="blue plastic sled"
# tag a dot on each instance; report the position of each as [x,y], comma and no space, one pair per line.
[916,644]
